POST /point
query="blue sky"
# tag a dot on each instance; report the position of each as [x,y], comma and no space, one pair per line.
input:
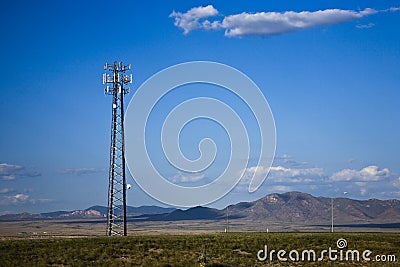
[331,79]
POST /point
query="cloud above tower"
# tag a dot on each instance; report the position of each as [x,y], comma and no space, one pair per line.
[264,23]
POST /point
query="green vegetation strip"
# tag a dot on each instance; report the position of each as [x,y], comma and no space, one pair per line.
[232,249]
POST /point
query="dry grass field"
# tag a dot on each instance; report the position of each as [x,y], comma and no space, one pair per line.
[221,249]
[183,243]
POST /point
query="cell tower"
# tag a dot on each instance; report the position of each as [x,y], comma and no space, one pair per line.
[116,219]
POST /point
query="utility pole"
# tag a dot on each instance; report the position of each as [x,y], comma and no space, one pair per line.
[227,220]
[116,218]
[344,193]
[332,214]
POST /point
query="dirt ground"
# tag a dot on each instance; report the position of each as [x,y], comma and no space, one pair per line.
[79,228]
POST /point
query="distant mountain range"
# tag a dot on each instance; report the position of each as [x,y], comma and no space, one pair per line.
[89,213]
[291,207]
[299,207]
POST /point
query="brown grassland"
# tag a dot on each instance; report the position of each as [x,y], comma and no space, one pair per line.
[179,244]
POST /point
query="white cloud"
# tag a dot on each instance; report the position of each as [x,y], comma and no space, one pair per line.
[350,161]
[396,182]
[363,191]
[81,171]
[365,26]
[8,171]
[21,199]
[255,171]
[367,174]
[284,157]
[280,177]
[307,174]
[280,188]
[6,190]
[189,21]
[264,23]
[361,183]
[8,177]
[40,201]
[288,160]
[271,23]
[12,171]
[17,199]
[187,178]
